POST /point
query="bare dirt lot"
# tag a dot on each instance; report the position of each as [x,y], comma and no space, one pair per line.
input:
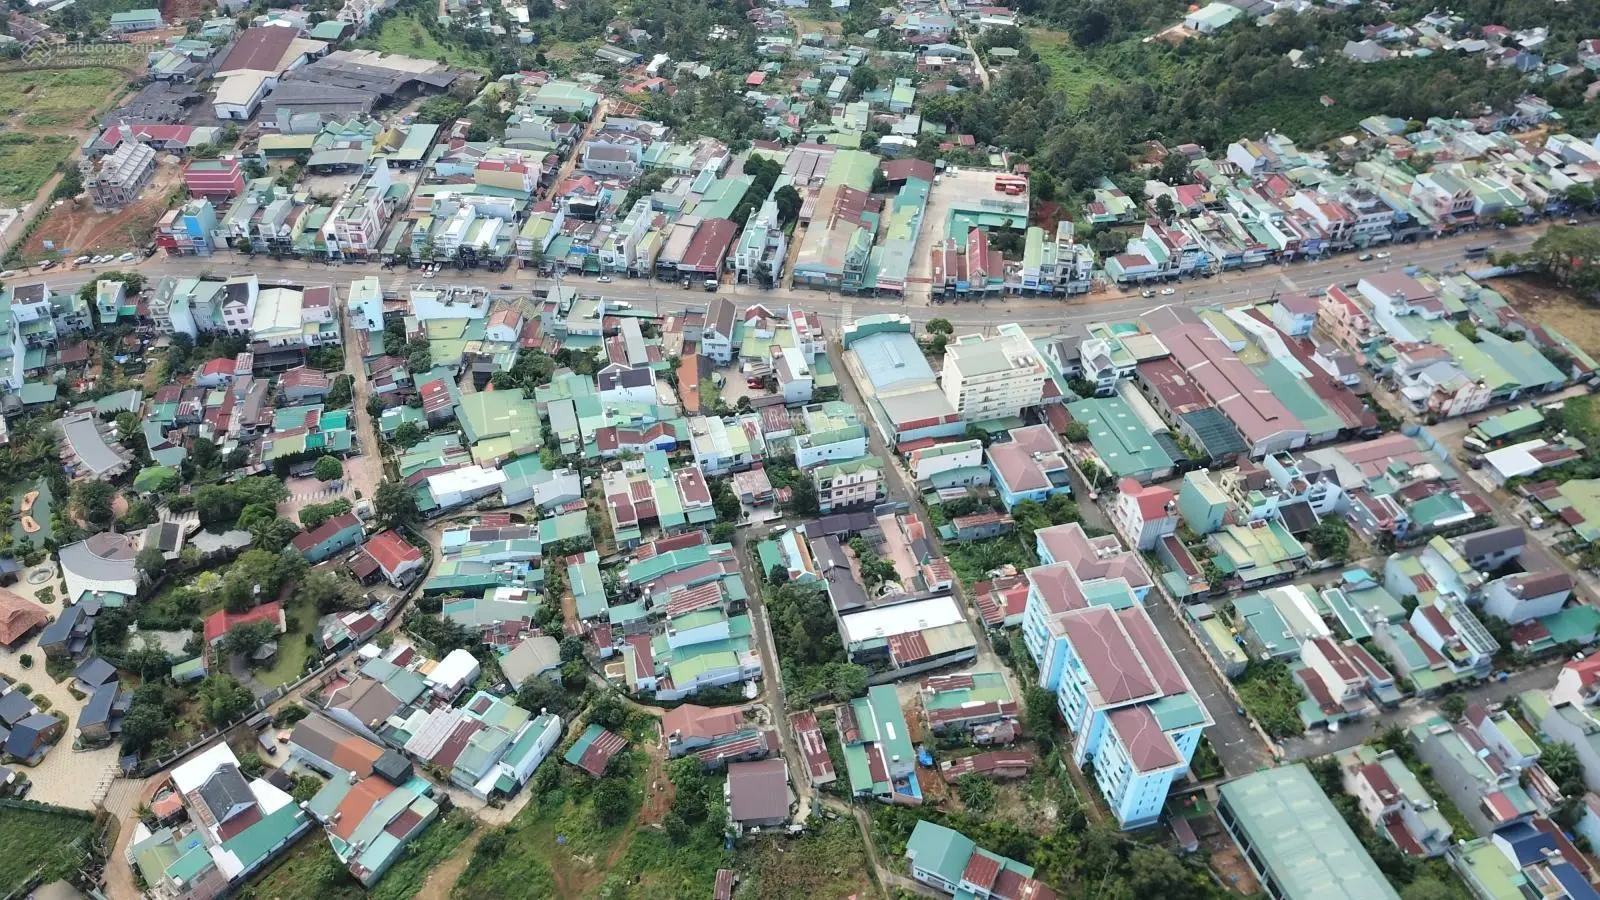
[76,227]
[1555,308]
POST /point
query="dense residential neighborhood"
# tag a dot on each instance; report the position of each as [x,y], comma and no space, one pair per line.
[585,449]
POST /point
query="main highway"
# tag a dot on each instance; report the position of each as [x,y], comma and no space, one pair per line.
[1035,313]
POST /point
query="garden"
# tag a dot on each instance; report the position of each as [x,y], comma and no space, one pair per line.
[41,845]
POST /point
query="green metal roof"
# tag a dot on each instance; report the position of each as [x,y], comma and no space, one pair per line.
[1301,839]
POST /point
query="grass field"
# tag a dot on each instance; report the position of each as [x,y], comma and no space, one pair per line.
[1071,73]
[27,162]
[829,863]
[405,35]
[39,841]
[56,97]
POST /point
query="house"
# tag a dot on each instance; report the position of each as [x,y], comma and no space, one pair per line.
[758,794]
[68,635]
[877,745]
[101,567]
[1030,466]
[951,862]
[397,559]
[32,737]
[1574,725]
[593,750]
[370,821]
[1143,515]
[1294,839]
[1525,596]
[813,749]
[322,744]
[1394,802]
[1483,785]
[18,618]
[848,484]
[536,655]
[970,702]
[330,538]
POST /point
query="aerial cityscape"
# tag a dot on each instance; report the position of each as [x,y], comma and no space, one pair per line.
[800,449]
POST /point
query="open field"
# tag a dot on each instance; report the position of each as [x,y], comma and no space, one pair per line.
[27,162]
[1553,307]
[1071,73]
[42,841]
[402,34]
[828,863]
[56,98]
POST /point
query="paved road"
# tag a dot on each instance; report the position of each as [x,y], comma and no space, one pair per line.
[1413,711]
[1038,313]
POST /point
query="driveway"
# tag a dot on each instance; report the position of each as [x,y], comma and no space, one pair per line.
[1414,711]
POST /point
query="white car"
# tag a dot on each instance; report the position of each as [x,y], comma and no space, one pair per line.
[126,257]
[1167,292]
[9,273]
[1382,256]
[104,258]
[604,279]
[80,260]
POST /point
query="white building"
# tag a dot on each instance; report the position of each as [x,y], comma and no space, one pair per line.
[1142,514]
[993,377]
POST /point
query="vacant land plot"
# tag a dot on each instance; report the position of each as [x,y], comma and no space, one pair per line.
[828,863]
[40,845]
[1555,308]
[77,227]
[56,98]
[27,162]
[1071,73]
[402,34]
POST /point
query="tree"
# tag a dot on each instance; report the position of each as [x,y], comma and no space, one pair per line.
[939,326]
[1075,432]
[245,639]
[419,361]
[1453,707]
[142,726]
[1581,195]
[788,201]
[149,562]
[1331,539]
[542,693]
[1560,761]
[328,468]
[408,435]
[978,433]
[803,497]
[328,591]
[94,500]
[314,515]
[1153,872]
[779,574]
[1427,888]
[612,804]
[221,699]
[305,787]
[608,711]
[1039,714]
[1165,208]
[723,532]
[394,505]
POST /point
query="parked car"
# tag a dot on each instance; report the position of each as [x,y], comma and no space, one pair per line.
[81,260]
[1365,257]
[1147,293]
[1383,255]
[1168,292]
[126,257]
[604,279]
[47,265]
[505,285]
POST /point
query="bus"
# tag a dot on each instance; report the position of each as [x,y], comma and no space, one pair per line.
[1477,252]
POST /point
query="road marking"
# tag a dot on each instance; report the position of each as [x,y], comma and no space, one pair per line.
[1289,282]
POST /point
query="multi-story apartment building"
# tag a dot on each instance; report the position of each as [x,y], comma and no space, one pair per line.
[993,377]
[1131,710]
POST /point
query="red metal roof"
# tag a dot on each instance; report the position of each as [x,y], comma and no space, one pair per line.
[808,735]
[981,871]
[391,551]
[221,622]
